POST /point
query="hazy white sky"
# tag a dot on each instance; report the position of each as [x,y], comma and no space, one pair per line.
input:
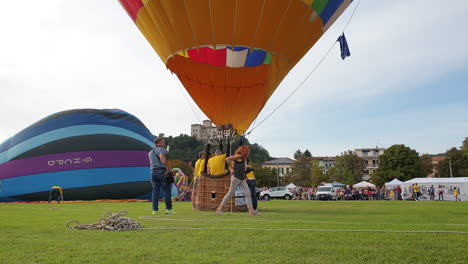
[405,82]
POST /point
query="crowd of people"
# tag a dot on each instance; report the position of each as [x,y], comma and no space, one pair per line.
[414,193]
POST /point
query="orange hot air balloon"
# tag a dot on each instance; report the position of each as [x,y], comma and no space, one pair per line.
[230,55]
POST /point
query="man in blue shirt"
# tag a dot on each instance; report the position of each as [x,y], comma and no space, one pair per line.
[159,167]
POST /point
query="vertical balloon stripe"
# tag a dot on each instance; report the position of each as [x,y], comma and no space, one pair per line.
[255,58]
[183,54]
[199,55]
[319,5]
[267,59]
[132,7]
[330,9]
[217,57]
[236,58]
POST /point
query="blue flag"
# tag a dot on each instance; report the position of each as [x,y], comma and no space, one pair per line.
[344,47]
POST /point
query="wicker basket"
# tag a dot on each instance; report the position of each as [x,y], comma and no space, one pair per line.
[208,193]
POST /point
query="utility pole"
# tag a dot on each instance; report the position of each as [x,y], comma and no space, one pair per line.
[278,175]
[450,167]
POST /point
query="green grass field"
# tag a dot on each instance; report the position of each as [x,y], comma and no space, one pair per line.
[287,232]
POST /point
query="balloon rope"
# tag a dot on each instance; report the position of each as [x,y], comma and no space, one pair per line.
[188,101]
[308,76]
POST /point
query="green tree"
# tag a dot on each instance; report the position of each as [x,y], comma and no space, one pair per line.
[427,165]
[459,163]
[464,147]
[297,154]
[307,153]
[258,154]
[317,174]
[301,174]
[266,177]
[184,147]
[187,148]
[348,168]
[398,161]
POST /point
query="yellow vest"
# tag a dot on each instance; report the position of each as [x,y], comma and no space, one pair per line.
[251,174]
[217,164]
[199,165]
[59,188]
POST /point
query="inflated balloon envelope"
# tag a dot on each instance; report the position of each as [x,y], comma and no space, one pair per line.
[231,55]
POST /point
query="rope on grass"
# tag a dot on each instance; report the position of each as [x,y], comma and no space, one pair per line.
[109,222]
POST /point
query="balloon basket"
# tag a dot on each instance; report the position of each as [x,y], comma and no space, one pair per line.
[208,194]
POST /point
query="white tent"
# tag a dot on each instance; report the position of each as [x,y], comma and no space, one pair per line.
[447,185]
[393,183]
[363,184]
[291,186]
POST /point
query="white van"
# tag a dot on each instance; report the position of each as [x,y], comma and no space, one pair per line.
[326,193]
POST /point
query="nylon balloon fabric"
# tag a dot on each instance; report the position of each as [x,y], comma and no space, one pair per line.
[231,55]
[90,153]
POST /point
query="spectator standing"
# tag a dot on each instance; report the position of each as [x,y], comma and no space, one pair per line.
[160,170]
[440,192]
[456,192]
[431,192]
[252,183]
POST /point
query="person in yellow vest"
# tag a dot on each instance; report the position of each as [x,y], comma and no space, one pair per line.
[199,165]
[416,191]
[56,193]
[252,183]
[217,163]
[456,192]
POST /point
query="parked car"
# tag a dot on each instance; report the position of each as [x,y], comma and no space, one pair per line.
[276,192]
[326,193]
[257,192]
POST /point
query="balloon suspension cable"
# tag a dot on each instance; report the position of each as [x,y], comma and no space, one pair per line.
[188,101]
[308,76]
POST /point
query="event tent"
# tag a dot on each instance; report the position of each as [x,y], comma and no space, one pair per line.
[291,186]
[363,184]
[446,183]
[393,183]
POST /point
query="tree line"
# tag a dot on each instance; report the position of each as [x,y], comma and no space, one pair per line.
[398,161]
[184,151]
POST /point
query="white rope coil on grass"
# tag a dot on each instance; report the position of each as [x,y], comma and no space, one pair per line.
[109,222]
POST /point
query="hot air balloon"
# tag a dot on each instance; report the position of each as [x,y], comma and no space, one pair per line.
[91,153]
[231,55]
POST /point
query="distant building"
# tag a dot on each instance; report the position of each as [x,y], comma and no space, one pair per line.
[435,161]
[325,162]
[283,165]
[371,160]
[203,131]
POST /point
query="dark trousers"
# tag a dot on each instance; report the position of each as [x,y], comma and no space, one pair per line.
[158,181]
[54,194]
[252,184]
[441,194]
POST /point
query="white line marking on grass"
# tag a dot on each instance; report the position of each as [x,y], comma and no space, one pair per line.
[278,221]
[304,229]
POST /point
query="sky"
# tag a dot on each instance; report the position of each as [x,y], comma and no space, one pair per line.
[406,81]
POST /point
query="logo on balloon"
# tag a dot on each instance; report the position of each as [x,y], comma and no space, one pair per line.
[52,163]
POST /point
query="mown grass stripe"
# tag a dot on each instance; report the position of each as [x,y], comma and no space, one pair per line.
[303,229]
